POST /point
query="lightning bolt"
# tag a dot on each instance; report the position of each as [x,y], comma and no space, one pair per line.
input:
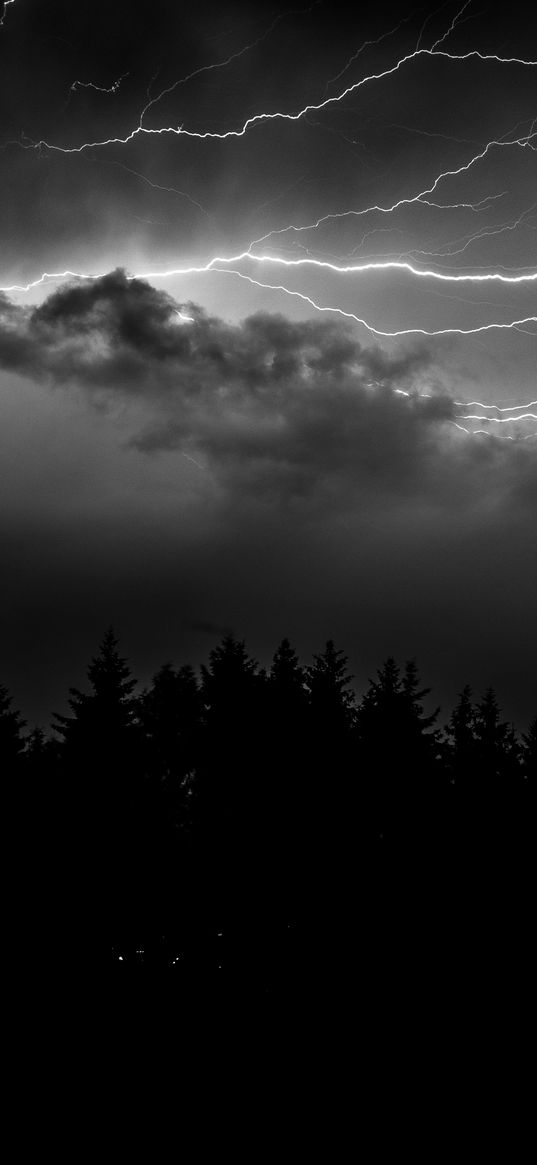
[261,118]
[97,88]
[5,6]
[367,44]
[351,316]
[482,234]
[228,61]
[498,420]
[421,197]
[221,264]
[507,409]
[157,186]
[355,268]
[453,25]
[377,265]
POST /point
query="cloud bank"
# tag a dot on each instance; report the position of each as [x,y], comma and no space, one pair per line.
[275,409]
[329,497]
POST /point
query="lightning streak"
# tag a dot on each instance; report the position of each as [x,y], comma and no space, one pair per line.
[453,24]
[355,269]
[497,420]
[260,118]
[221,264]
[482,234]
[367,44]
[508,409]
[363,323]
[164,189]
[222,64]
[211,269]
[5,6]
[378,265]
[421,197]
[98,88]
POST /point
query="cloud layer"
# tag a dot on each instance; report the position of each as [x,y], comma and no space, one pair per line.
[329,501]
[274,409]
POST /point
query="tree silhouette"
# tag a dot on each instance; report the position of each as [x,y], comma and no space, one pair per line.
[460,738]
[285,761]
[331,702]
[103,812]
[170,714]
[396,701]
[102,718]
[238,802]
[397,750]
[530,749]
[287,681]
[231,787]
[11,740]
[330,791]
[497,749]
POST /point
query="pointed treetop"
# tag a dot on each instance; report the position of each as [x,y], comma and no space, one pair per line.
[286,667]
[11,725]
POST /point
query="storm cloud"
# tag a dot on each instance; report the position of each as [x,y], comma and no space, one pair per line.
[274,409]
[272,476]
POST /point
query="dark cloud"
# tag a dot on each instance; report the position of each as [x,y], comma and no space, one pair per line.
[123,333]
[332,503]
[275,409]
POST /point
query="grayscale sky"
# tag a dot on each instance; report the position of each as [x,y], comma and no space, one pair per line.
[268,338]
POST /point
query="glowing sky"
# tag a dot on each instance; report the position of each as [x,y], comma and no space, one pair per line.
[296,393]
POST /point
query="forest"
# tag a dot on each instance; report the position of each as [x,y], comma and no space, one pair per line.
[262,826]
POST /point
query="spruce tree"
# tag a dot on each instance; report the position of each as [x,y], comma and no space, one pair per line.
[170,717]
[11,740]
[100,727]
[530,750]
[231,692]
[331,701]
[398,752]
[497,748]
[329,779]
[460,741]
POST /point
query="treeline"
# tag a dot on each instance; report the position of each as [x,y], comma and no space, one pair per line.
[208,802]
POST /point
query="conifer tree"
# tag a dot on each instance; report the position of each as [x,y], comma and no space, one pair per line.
[497,749]
[100,753]
[11,740]
[398,752]
[286,677]
[460,738]
[285,762]
[530,750]
[231,692]
[101,718]
[329,780]
[331,701]
[170,717]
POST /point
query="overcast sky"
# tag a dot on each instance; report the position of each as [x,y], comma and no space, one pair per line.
[344,453]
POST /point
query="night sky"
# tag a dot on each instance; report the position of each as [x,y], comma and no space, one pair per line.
[268,329]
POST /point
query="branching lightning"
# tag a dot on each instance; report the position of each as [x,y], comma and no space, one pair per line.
[228,61]
[407,262]
[524,142]
[367,44]
[351,315]
[279,115]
